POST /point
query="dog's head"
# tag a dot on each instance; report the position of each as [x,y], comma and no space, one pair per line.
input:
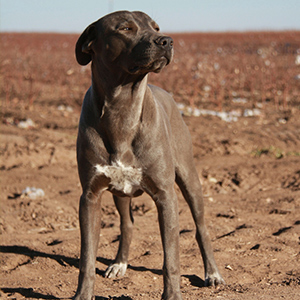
[127,40]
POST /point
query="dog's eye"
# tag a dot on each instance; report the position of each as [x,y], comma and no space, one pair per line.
[126,28]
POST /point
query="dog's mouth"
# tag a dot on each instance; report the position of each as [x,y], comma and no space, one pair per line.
[154,66]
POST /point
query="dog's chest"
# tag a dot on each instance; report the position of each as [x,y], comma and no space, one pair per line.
[124,179]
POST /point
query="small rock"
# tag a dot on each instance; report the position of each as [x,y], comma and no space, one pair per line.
[228,267]
[33,193]
[27,124]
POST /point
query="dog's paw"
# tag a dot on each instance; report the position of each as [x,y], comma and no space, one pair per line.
[83,297]
[115,270]
[214,280]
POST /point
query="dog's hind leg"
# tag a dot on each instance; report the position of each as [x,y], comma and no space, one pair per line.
[189,184]
[118,268]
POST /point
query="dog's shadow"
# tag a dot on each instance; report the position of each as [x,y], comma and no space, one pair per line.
[63,261]
[29,293]
[195,280]
[74,262]
[108,262]
[24,250]
[114,298]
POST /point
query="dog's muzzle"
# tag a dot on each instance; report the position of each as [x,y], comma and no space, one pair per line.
[154,57]
[164,42]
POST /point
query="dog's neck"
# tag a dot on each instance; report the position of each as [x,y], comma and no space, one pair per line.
[120,101]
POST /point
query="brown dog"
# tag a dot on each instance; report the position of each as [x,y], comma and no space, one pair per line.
[131,140]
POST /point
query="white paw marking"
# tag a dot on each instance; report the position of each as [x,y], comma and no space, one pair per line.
[116,270]
[123,178]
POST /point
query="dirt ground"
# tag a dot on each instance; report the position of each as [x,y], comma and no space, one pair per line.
[249,168]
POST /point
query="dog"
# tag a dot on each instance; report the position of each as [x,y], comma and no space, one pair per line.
[132,139]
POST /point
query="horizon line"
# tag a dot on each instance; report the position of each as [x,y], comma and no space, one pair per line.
[171,32]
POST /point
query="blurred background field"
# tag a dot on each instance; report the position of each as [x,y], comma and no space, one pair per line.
[216,71]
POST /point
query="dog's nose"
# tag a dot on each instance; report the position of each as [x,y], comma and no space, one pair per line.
[165,42]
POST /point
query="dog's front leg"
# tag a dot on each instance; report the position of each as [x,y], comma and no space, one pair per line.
[167,207]
[90,222]
[119,267]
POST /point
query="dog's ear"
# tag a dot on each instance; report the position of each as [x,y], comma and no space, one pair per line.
[83,48]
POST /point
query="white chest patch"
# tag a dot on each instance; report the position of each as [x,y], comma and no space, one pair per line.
[123,178]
